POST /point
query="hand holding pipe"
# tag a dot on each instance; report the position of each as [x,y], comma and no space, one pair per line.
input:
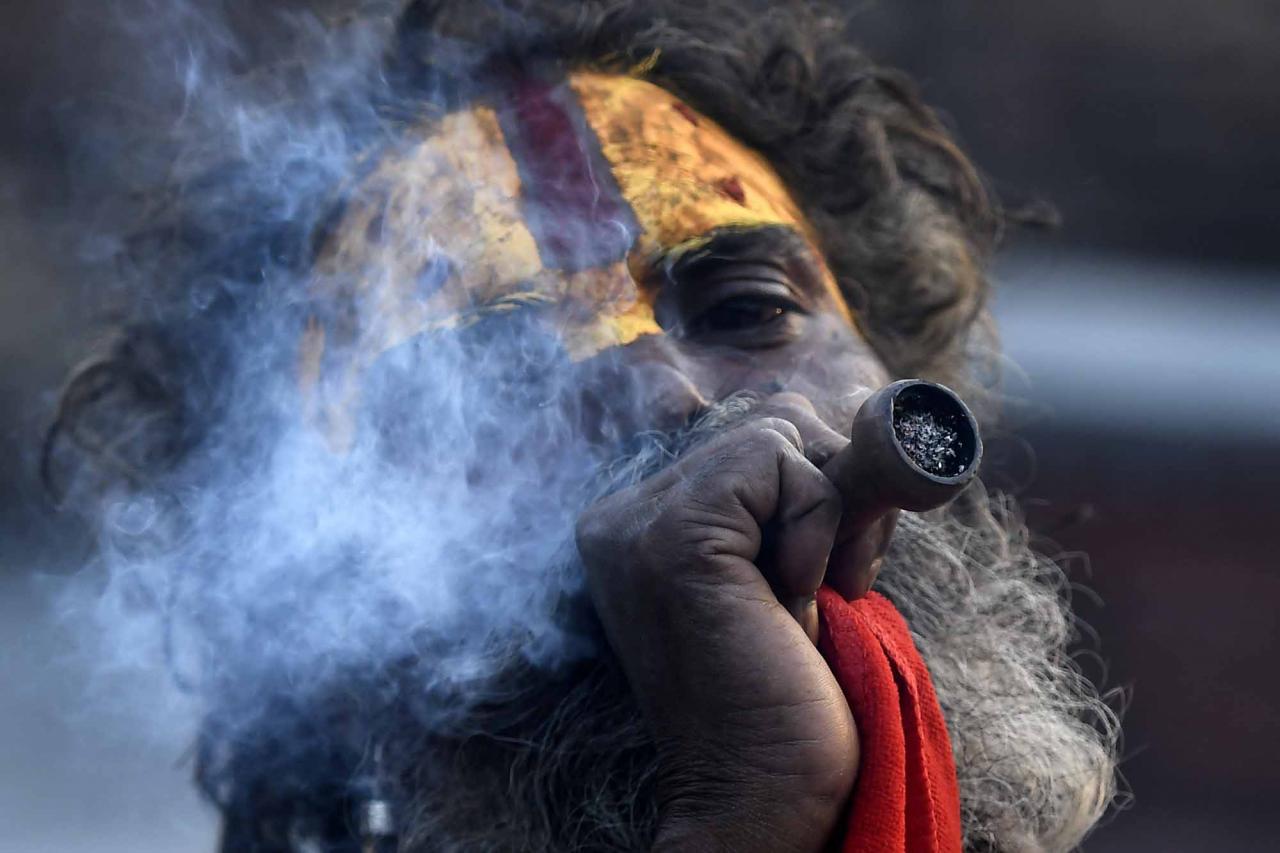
[914,445]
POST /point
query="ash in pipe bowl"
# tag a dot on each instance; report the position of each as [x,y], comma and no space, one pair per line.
[935,431]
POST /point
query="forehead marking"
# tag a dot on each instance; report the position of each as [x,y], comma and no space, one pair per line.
[684,175]
[570,200]
[566,195]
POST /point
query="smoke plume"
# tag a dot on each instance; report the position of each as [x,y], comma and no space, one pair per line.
[238,546]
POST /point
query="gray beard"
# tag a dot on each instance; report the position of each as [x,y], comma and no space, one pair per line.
[565,763]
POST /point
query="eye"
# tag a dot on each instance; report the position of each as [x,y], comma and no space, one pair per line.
[722,300]
[742,313]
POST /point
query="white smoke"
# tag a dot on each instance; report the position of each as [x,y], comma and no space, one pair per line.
[266,566]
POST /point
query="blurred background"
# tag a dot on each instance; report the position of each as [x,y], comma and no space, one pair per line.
[1144,345]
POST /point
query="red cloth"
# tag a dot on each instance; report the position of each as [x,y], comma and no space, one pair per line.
[906,799]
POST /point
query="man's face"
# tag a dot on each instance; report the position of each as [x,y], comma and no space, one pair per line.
[670,260]
[670,268]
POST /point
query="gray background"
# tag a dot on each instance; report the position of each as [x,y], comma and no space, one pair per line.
[1144,339]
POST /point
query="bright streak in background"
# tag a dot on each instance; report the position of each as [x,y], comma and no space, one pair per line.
[1124,344]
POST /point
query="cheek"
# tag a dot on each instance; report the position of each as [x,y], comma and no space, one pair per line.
[658,382]
[831,365]
[839,360]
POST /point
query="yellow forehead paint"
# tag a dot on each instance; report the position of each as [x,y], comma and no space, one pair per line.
[683,174]
[566,198]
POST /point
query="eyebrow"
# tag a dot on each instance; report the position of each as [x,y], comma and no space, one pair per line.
[736,244]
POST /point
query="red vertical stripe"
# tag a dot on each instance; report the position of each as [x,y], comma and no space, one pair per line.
[571,201]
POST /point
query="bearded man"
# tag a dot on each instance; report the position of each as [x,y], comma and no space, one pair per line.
[522,548]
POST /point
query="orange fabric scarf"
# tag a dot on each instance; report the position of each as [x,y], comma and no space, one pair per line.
[906,799]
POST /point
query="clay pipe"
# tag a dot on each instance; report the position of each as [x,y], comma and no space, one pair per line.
[914,446]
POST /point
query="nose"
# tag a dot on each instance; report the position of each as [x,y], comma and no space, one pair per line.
[645,385]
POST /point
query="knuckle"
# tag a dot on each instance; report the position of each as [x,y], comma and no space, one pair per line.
[741,454]
[778,434]
[820,502]
[792,405]
[712,491]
